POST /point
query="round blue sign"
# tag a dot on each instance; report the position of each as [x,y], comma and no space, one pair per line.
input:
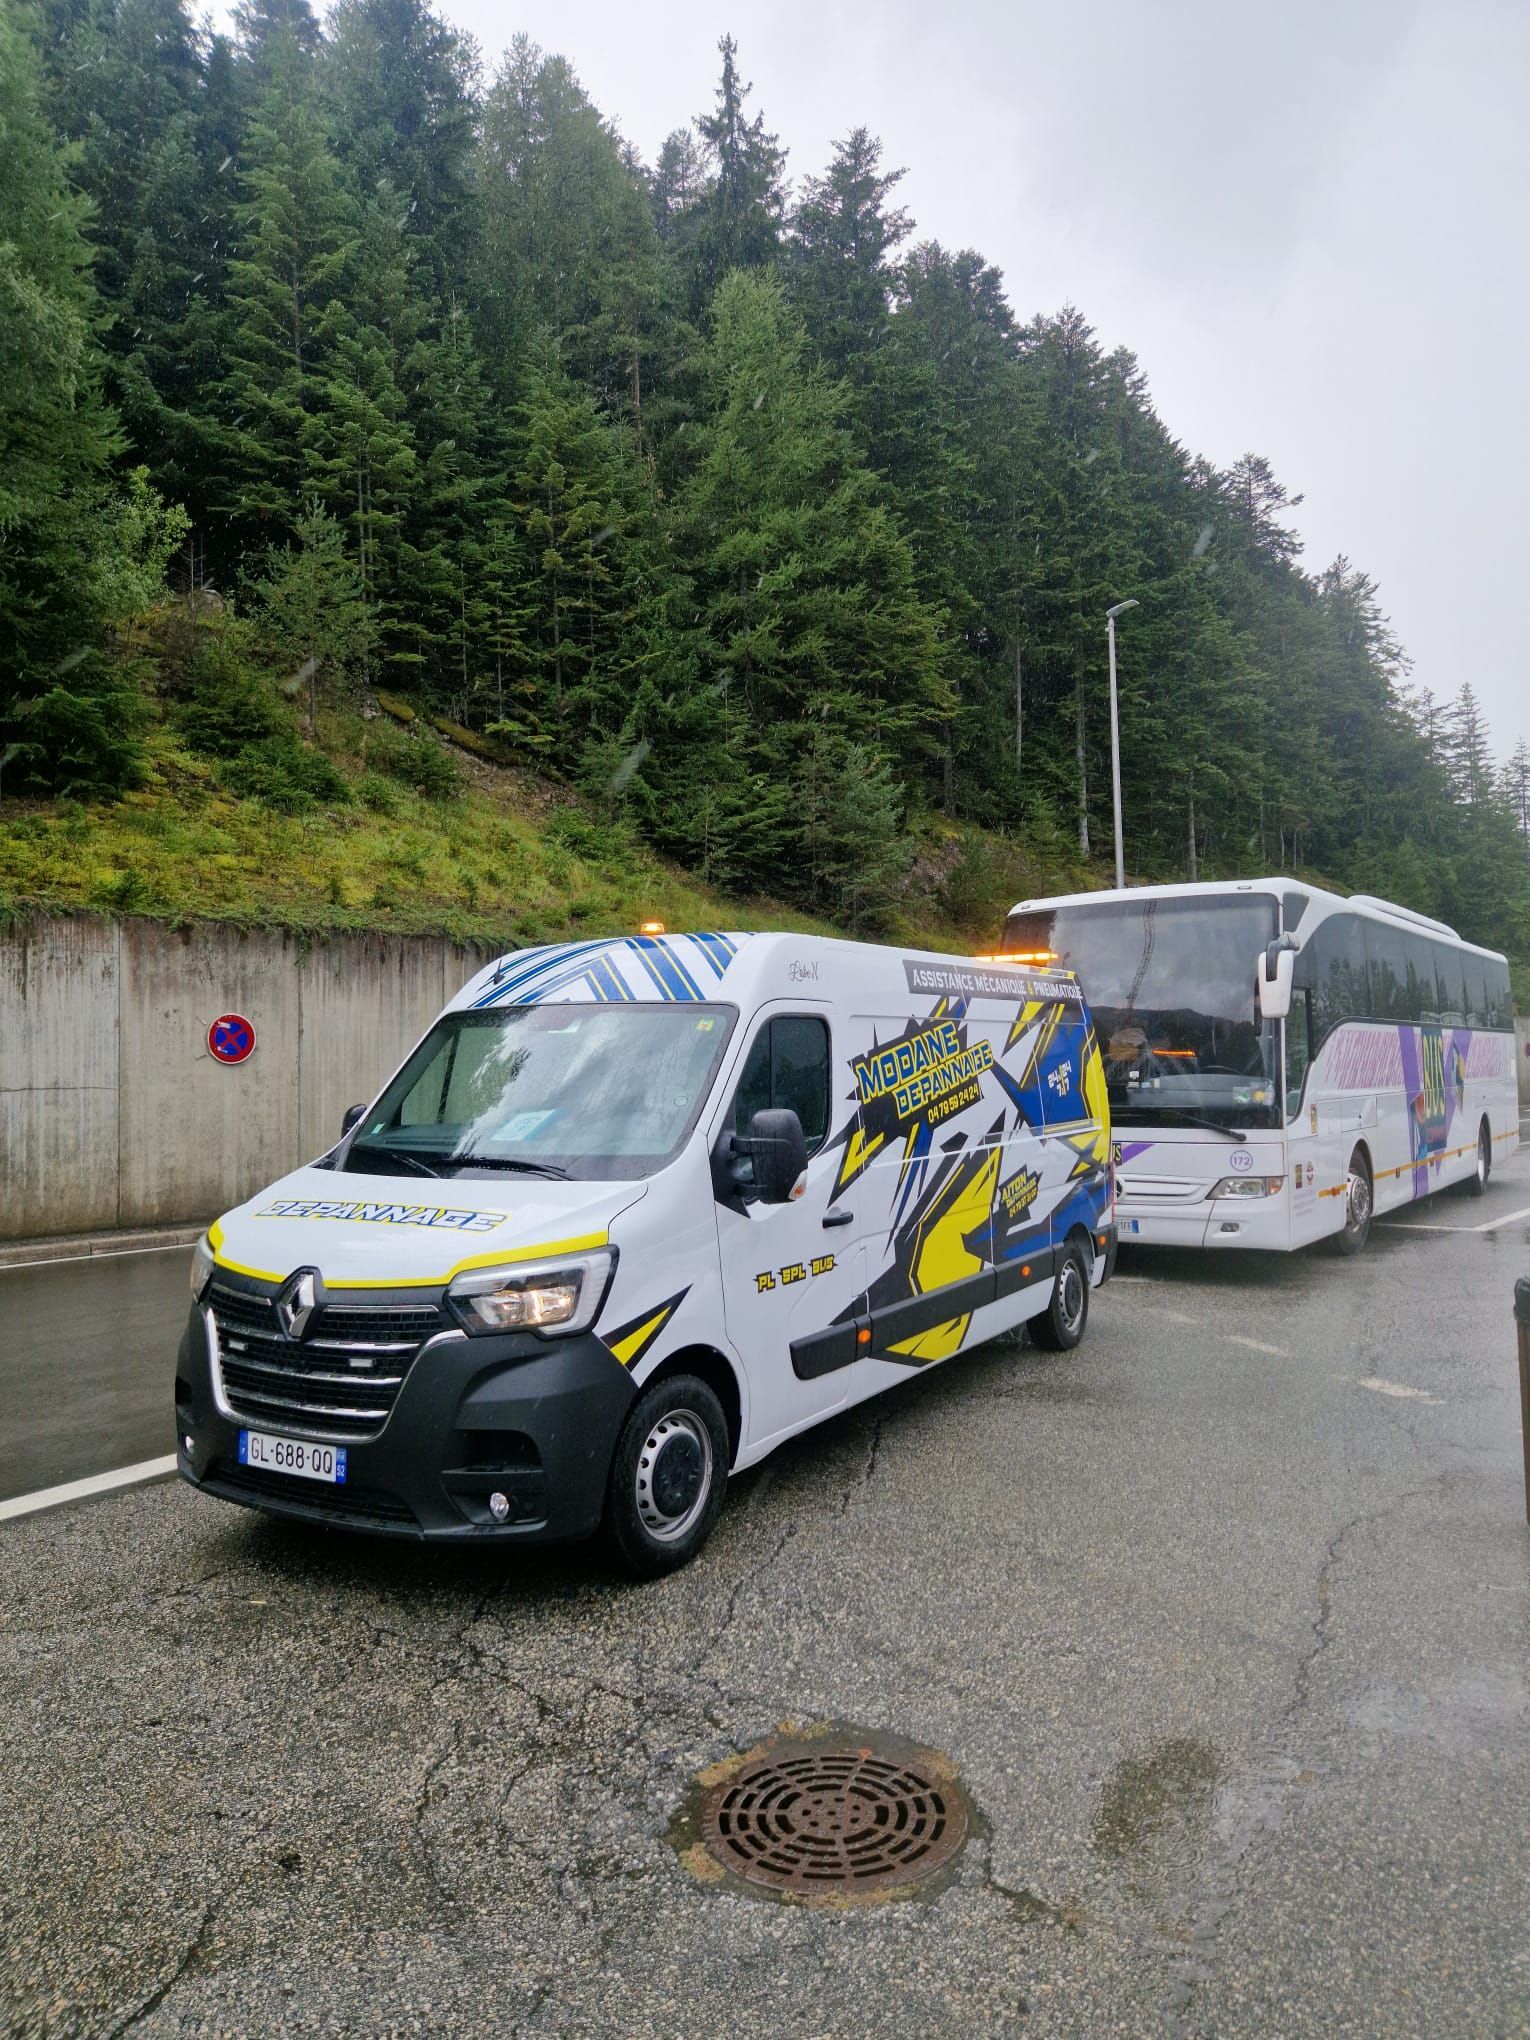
[231,1038]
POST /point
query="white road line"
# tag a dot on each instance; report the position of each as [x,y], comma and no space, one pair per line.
[113,1254]
[81,1490]
[1422,1225]
[1257,1346]
[1508,1219]
[1377,1386]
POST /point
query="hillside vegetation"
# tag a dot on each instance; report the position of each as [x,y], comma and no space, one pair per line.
[390,819]
[770,534]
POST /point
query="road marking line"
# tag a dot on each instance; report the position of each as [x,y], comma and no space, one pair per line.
[1508,1219]
[80,1490]
[114,1254]
[1422,1225]
[1377,1386]
[1257,1346]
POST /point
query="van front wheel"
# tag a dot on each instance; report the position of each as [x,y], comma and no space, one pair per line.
[1061,1324]
[668,1476]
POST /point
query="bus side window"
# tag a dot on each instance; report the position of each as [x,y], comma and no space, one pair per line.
[1386,948]
[1476,989]
[1500,998]
[1448,970]
[1298,1050]
[1423,987]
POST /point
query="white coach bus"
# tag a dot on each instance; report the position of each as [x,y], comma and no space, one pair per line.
[1282,1063]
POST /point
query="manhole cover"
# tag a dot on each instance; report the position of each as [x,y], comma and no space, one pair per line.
[834,1819]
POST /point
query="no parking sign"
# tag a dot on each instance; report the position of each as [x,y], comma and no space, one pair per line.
[231,1038]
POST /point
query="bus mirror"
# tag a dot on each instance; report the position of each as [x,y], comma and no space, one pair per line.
[1277,967]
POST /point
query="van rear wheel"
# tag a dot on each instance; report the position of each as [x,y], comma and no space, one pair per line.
[1061,1324]
[668,1476]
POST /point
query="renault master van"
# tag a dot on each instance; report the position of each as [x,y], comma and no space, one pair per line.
[633,1212]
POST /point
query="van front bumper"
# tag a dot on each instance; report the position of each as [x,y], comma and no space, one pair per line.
[533,1420]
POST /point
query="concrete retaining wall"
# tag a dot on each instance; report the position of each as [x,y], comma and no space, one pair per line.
[112,1112]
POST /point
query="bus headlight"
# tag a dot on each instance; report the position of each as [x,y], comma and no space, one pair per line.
[559,1297]
[1245,1186]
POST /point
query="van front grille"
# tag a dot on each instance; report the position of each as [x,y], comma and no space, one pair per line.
[340,1380]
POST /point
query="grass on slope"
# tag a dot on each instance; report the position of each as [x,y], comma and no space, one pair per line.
[499,861]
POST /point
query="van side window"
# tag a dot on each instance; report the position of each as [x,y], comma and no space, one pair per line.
[787,1066]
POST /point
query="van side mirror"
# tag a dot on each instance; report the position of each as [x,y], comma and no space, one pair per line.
[1276,969]
[352,1116]
[778,1148]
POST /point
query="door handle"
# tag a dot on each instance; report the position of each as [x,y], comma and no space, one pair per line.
[838,1217]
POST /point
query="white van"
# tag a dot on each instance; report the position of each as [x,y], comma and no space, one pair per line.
[633,1212]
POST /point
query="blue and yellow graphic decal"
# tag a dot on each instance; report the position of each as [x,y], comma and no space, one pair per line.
[615,970]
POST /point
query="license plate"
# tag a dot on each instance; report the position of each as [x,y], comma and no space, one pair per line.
[292,1455]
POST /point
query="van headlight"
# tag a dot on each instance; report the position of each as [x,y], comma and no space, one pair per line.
[1246,1186]
[202,1265]
[558,1297]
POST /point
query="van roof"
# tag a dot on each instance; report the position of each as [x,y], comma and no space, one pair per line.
[739,967]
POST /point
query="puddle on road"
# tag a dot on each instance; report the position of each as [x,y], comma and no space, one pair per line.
[1480,1708]
[1178,1778]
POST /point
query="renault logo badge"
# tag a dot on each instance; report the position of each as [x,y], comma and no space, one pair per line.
[298,1301]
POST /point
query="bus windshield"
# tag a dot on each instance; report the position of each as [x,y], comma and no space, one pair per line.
[581,1090]
[1171,983]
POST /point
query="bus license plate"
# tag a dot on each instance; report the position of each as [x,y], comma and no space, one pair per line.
[292,1455]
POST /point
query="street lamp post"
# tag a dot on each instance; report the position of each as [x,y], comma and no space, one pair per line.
[1115,738]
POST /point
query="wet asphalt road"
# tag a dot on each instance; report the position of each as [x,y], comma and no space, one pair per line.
[87,1348]
[1231,1646]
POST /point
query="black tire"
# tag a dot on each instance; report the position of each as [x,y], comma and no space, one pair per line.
[1477,1181]
[1359,1206]
[1061,1325]
[668,1477]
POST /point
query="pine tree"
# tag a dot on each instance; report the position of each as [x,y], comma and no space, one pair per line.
[311,610]
[808,617]
[569,495]
[740,220]
[358,449]
[843,235]
[297,228]
[402,90]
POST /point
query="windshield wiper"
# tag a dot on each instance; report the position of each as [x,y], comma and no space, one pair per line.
[372,1147]
[510,1162]
[1172,1114]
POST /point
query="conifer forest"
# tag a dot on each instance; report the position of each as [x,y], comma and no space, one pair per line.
[705,487]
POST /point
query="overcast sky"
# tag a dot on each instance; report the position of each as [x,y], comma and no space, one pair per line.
[1309,221]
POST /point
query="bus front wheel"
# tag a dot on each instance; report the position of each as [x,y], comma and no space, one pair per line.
[1358,1205]
[1482,1168]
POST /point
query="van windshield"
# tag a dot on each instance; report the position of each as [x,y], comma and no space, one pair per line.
[587,1091]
